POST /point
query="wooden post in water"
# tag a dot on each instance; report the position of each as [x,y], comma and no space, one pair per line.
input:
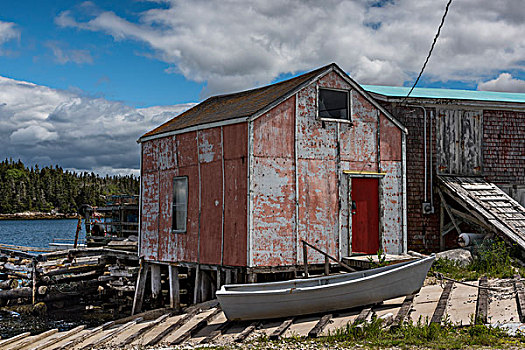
[33,273]
[87,222]
[79,226]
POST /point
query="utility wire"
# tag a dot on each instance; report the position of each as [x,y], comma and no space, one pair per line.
[431,49]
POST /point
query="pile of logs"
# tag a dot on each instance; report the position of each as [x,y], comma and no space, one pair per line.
[99,277]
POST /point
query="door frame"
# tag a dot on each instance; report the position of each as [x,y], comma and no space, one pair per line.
[364,174]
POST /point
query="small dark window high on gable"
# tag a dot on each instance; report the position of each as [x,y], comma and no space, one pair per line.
[333,104]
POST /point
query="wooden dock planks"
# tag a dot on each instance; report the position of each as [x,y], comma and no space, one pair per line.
[520,298]
[456,302]
[320,326]
[137,334]
[403,311]
[276,334]
[482,306]
[424,304]
[441,307]
[462,303]
[502,306]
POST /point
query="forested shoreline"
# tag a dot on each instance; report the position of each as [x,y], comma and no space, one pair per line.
[52,188]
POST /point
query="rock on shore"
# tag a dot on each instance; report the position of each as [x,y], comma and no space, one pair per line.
[33,215]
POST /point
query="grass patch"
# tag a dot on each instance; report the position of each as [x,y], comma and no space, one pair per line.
[421,334]
[491,258]
[406,336]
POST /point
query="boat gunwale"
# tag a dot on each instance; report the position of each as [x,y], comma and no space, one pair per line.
[289,290]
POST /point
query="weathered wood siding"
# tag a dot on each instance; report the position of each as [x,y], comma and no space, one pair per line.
[214,160]
[313,168]
[294,165]
[459,141]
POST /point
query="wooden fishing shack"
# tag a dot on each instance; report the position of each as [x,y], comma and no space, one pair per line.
[231,187]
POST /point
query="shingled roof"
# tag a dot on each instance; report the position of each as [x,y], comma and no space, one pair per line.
[236,105]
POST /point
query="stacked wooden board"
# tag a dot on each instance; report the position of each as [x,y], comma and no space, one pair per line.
[27,279]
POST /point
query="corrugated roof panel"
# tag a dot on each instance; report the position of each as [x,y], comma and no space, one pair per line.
[453,94]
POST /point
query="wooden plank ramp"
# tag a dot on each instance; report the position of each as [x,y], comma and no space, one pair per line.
[453,302]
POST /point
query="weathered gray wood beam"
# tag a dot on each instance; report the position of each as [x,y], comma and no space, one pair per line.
[320,326]
[442,303]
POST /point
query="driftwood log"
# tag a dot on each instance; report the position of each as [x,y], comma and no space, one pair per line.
[8,284]
[51,293]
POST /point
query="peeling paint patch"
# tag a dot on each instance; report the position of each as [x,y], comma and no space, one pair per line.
[273,194]
[210,147]
[392,207]
[390,140]
[150,216]
[318,208]
[165,248]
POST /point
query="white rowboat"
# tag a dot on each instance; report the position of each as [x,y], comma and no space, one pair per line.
[322,294]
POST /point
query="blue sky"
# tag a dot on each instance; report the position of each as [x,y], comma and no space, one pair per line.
[120,68]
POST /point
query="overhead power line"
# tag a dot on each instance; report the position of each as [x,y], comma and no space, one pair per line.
[431,49]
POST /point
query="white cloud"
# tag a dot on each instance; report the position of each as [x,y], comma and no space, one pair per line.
[237,44]
[503,83]
[32,134]
[48,126]
[64,56]
[8,32]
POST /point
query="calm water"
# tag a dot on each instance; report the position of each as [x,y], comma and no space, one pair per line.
[37,233]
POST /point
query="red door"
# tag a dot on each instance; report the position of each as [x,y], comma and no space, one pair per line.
[365,215]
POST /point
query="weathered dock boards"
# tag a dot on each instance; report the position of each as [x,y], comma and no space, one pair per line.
[206,323]
[487,205]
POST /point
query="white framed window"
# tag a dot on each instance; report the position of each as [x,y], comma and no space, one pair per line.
[179,212]
[333,105]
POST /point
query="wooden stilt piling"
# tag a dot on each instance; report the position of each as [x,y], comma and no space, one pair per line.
[174,287]
[228,276]
[156,289]
[196,296]
[141,285]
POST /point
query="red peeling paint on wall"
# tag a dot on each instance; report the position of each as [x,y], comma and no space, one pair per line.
[235,194]
[297,186]
[273,187]
[198,156]
[150,216]
[390,140]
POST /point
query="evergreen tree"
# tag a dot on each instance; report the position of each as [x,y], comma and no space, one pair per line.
[47,188]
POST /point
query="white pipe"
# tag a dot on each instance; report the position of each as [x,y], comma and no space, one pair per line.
[430,168]
[296,156]
[467,239]
[404,193]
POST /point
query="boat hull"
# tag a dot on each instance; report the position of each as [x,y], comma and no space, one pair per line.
[323,294]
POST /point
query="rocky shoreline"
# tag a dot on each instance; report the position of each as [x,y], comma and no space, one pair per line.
[37,215]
